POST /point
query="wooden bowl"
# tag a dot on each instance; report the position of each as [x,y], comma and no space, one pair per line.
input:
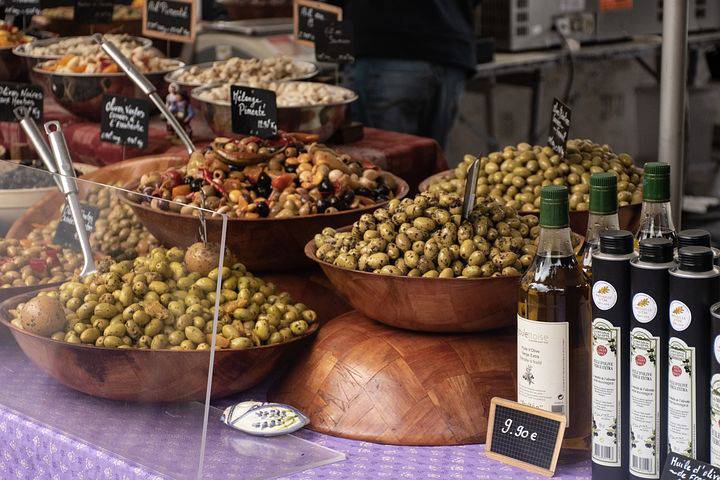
[629,215]
[136,375]
[262,244]
[366,381]
[450,305]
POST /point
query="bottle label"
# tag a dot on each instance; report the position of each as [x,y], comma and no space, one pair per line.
[644,307]
[715,420]
[543,371]
[682,434]
[680,315]
[645,375]
[606,393]
[604,295]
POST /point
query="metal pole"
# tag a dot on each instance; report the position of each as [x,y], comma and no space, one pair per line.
[673,74]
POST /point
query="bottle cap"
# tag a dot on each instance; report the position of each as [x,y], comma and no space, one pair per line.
[694,238]
[554,206]
[696,259]
[656,182]
[603,193]
[656,250]
[618,242]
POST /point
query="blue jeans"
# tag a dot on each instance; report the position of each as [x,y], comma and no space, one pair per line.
[407,96]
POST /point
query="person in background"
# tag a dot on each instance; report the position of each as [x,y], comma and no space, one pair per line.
[412,59]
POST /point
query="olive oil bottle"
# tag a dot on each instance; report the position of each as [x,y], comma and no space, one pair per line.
[555,327]
[656,215]
[602,215]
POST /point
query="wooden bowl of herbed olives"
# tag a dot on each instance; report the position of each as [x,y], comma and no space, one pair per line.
[145,375]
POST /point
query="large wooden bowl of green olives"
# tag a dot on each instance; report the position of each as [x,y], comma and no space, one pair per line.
[142,330]
[415,264]
[515,175]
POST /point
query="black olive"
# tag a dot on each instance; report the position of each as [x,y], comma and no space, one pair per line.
[290,168]
[262,209]
[364,192]
[234,168]
[335,202]
[264,185]
[322,205]
[382,190]
[326,186]
[347,197]
[196,184]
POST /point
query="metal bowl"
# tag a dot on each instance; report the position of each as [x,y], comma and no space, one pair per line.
[321,120]
[188,86]
[82,93]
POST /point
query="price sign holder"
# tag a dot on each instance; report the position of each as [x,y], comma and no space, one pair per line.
[305,15]
[680,467]
[171,20]
[93,11]
[334,42]
[559,127]
[524,437]
[66,233]
[125,121]
[254,111]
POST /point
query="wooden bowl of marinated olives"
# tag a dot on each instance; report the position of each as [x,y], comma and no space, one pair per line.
[415,265]
[516,174]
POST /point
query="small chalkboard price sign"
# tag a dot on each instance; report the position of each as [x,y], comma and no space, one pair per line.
[254,111]
[13,95]
[66,234]
[93,11]
[22,7]
[680,467]
[174,20]
[306,15]
[523,436]
[334,42]
[125,121]
[559,127]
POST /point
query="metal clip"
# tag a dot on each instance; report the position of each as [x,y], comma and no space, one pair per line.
[470,189]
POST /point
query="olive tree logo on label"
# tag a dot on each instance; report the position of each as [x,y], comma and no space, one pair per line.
[644,307]
[680,316]
[604,295]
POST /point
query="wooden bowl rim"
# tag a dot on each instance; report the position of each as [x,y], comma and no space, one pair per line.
[129,188]
[14,301]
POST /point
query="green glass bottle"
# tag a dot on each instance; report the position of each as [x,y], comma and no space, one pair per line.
[602,216]
[656,215]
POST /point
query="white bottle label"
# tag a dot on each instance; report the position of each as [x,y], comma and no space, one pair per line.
[543,374]
[682,434]
[715,420]
[606,393]
[645,375]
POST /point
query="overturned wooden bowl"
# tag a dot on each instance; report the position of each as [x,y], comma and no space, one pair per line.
[261,244]
[629,215]
[136,375]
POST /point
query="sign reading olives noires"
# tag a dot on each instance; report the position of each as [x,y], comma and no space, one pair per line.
[14,95]
[174,20]
[66,234]
[22,7]
[306,15]
[334,42]
[559,127]
[523,436]
[125,121]
[254,111]
[93,11]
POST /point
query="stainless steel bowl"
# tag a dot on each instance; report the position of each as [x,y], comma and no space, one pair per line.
[321,120]
[188,86]
[82,93]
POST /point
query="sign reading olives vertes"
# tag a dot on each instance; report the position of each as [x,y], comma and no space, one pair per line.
[559,127]
[125,121]
[254,111]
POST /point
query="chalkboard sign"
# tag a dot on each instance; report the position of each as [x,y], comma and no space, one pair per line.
[170,20]
[559,127]
[523,436]
[93,11]
[66,234]
[680,467]
[125,121]
[334,42]
[13,95]
[22,7]
[306,13]
[254,111]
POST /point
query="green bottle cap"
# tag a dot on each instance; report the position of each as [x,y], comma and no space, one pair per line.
[554,206]
[656,182]
[603,193]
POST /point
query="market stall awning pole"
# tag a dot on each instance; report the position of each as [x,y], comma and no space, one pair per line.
[673,74]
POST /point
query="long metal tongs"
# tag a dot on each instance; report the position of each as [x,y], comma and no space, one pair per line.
[146,87]
[56,158]
[470,189]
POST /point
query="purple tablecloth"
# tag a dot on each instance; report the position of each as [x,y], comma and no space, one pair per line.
[30,449]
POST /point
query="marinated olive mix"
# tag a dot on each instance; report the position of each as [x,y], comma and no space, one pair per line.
[165,300]
[515,175]
[426,237]
[24,263]
[256,178]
